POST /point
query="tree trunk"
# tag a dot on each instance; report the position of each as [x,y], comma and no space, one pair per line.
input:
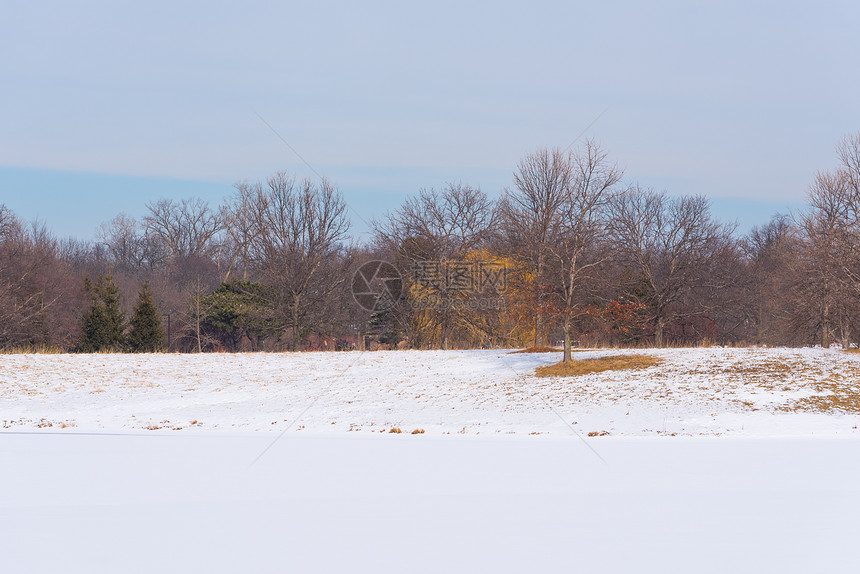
[844,333]
[658,333]
[443,328]
[197,317]
[296,335]
[760,322]
[539,314]
[197,324]
[567,356]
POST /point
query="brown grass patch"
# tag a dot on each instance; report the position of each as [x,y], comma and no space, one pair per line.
[395,430]
[597,365]
[418,431]
[32,350]
[855,350]
[841,403]
[768,368]
[543,349]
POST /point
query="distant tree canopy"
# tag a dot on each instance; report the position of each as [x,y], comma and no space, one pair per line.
[571,252]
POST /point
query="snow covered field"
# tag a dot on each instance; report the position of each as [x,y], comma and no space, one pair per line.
[695,392]
[362,503]
[718,460]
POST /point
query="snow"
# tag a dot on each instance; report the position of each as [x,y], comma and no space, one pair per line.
[695,392]
[369,503]
[717,460]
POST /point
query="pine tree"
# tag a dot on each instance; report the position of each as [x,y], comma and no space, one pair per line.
[114,317]
[103,325]
[237,310]
[146,334]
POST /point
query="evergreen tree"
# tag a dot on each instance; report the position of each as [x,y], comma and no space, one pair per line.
[146,334]
[238,310]
[104,324]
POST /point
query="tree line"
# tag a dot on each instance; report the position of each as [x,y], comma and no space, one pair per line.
[567,254]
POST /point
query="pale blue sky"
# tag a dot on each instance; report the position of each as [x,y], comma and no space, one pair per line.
[107,105]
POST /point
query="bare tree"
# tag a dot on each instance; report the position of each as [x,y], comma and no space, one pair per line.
[768,276]
[131,249]
[576,234]
[672,245]
[10,227]
[829,288]
[529,215]
[297,235]
[843,187]
[827,265]
[186,229]
[434,234]
[848,153]
[238,217]
[33,281]
[447,223]
[831,229]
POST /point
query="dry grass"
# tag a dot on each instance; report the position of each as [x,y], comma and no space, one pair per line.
[395,430]
[769,369]
[543,349]
[845,402]
[832,391]
[418,431]
[855,350]
[597,365]
[32,350]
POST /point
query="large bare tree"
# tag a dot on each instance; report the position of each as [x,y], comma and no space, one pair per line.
[131,249]
[673,247]
[434,234]
[827,257]
[446,223]
[34,282]
[237,213]
[828,286]
[529,218]
[295,242]
[768,278]
[575,237]
[186,229]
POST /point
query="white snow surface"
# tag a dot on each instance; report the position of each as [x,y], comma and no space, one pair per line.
[370,503]
[694,392]
[717,460]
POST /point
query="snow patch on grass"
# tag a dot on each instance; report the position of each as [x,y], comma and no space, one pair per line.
[691,392]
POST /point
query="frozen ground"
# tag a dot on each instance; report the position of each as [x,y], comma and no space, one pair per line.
[718,460]
[711,392]
[367,503]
